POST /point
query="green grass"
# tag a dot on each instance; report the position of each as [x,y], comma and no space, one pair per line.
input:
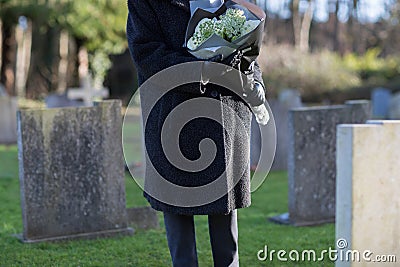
[132,139]
[8,161]
[149,248]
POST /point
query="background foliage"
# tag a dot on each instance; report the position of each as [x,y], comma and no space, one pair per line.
[325,71]
[97,24]
[341,51]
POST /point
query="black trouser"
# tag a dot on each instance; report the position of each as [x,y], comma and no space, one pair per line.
[181,237]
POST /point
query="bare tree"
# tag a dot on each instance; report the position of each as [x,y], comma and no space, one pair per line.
[296,21]
[353,25]
[306,26]
[9,51]
[302,24]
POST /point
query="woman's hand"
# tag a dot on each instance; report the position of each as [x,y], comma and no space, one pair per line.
[253,90]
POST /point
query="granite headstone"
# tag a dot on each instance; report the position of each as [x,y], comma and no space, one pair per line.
[8,119]
[3,91]
[394,109]
[72,173]
[380,103]
[312,164]
[287,99]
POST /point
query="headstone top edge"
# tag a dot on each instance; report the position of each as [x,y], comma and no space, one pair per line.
[382,88]
[345,126]
[357,101]
[384,122]
[108,102]
[40,110]
[96,103]
[317,108]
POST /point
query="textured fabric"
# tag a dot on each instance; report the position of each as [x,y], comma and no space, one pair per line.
[223,230]
[155,33]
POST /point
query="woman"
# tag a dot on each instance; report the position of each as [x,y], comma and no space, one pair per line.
[156,32]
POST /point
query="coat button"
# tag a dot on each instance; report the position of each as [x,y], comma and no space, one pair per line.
[214,93]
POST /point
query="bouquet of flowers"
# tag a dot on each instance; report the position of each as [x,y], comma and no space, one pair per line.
[230,26]
[222,28]
[225,28]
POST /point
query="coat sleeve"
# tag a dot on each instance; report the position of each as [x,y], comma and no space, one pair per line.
[258,74]
[149,51]
[256,96]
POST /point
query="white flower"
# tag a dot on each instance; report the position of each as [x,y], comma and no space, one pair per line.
[219,28]
[233,21]
[201,22]
[204,29]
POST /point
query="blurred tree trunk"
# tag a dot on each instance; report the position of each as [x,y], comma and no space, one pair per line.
[24,44]
[83,69]
[271,36]
[296,21]
[1,44]
[305,28]
[336,34]
[302,26]
[73,63]
[63,64]
[353,29]
[9,52]
[43,72]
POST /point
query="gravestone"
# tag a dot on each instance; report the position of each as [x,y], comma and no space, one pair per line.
[290,98]
[287,99]
[72,173]
[312,164]
[394,109]
[3,91]
[87,93]
[380,103]
[61,101]
[8,120]
[368,202]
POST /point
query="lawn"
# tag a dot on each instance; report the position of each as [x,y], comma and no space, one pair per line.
[149,248]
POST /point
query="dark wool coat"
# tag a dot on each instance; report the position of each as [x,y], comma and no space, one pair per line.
[155,32]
